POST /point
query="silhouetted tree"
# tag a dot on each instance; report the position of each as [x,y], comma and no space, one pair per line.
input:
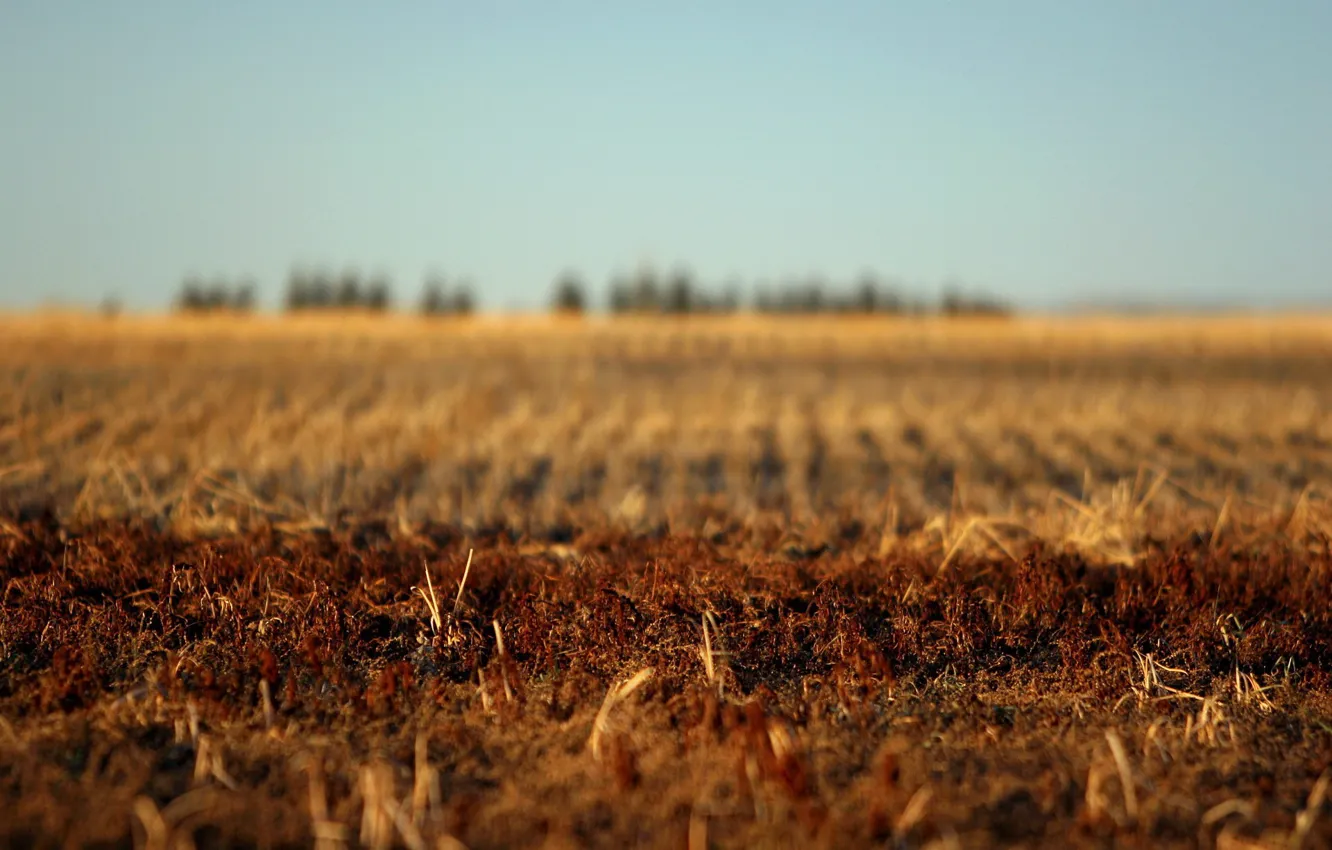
[219,295]
[815,298]
[195,296]
[191,297]
[378,294]
[323,291]
[463,302]
[729,301]
[621,296]
[110,307]
[951,303]
[299,285]
[439,298]
[243,299]
[867,296]
[434,295]
[890,300]
[680,299]
[679,294]
[956,303]
[569,296]
[764,299]
[432,300]
[646,292]
[349,294]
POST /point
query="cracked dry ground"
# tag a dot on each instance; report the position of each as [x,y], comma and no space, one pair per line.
[611,690]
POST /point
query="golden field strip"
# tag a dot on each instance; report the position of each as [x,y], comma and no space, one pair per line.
[389,582]
[943,433]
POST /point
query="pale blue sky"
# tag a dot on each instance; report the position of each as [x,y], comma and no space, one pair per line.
[1045,150]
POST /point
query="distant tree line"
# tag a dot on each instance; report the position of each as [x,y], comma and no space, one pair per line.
[309,291]
[200,296]
[442,297]
[315,291]
[643,293]
[678,294]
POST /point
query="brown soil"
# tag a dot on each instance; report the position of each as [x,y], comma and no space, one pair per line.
[273,689]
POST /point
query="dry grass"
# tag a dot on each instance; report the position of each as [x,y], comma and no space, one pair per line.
[741,582]
[942,434]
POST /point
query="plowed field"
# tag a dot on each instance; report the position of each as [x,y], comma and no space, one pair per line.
[731,584]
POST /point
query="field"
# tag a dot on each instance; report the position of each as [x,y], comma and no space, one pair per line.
[711,583]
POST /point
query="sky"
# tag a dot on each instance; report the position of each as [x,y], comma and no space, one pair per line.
[1050,152]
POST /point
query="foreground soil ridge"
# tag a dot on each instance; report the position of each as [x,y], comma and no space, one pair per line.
[616,689]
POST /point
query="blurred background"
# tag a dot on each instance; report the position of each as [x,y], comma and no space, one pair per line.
[781,156]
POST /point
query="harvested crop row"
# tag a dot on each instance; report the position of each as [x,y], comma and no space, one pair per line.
[481,425]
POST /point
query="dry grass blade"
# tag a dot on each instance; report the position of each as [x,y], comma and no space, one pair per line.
[1152,685]
[1222,517]
[697,838]
[21,468]
[10,733]
[988,528]
[457,601]
[1126,781]
[209,764]
[913,813]
[1249,692]
[713,648]
[240,495]
[377,806]
[432,604]
[957,543]
[157,834]
[427,796]
[1226,809]
[266,701]
[707,653]
[1140,508]
[617,694]
[985,527]
[1313,806]
[328,834]
[9,529]
[196,801]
